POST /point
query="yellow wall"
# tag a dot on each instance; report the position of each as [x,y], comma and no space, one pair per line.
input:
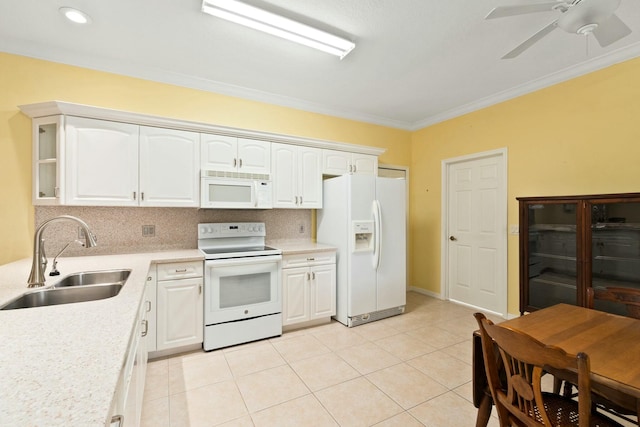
[25,81]
[578,137]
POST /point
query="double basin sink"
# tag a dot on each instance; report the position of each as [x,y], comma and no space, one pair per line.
[78,287]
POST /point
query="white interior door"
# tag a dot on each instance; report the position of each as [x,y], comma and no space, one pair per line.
[476,232]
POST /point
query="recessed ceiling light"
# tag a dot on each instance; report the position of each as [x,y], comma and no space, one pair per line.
[75,15]
[259,19]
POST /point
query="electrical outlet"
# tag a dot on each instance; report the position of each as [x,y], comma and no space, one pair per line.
[514,229]
[301,228]
[148,230]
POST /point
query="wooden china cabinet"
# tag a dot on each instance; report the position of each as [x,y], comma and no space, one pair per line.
[568,243]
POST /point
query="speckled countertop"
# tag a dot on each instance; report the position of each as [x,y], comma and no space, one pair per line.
[59,365]
[290,247]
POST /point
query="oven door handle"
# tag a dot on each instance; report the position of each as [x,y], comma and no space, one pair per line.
[243,261]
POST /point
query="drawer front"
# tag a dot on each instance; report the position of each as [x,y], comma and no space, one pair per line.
[179,270]
[309,259]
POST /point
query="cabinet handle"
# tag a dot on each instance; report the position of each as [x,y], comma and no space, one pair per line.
[149,278]
[300,200]
[56,192]
[134,195]
[200,289]
[350,168]
[296,200]
[142,196]
[145,323]
[181,270]
[355,169]
[311,259]
[313,275]
[240,163]
[308,277]
[116,421]
[235,162]
[148,303]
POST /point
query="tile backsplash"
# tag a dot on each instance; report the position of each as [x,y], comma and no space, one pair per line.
[120,229]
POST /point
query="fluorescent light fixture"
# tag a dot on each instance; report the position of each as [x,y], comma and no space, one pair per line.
[277,25]
[75,15]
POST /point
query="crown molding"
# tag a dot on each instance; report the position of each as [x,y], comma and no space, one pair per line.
[147,73]
[595,64]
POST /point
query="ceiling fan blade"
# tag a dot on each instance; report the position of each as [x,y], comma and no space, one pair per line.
[611,30]
[531,40]
[502,11]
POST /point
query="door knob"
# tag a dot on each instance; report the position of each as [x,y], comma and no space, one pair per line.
[453,239]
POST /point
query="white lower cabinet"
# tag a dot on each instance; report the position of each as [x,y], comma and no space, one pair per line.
[179,314]
[126,407]
[308,287]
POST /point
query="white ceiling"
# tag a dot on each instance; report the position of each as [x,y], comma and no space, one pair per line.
[416,62]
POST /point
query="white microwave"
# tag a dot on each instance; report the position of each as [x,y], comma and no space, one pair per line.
[235,193]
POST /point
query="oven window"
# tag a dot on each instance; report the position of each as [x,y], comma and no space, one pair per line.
[229,193]
[245,289]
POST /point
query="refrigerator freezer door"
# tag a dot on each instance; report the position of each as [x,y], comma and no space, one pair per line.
[392,279]
[362,276]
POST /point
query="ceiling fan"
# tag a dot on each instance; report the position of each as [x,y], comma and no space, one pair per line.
[583,17]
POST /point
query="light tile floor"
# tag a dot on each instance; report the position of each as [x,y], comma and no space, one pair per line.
[409,370]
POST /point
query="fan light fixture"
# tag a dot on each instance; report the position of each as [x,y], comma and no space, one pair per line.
[75,15]
[277,25]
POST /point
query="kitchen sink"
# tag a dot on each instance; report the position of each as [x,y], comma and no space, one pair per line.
[78,287]
[94,278]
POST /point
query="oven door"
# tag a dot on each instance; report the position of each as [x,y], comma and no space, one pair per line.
[241,288]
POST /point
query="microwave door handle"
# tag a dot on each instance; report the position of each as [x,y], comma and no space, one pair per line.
[255,194]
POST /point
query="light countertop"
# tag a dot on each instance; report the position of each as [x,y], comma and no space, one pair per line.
[291,247]
[59,365]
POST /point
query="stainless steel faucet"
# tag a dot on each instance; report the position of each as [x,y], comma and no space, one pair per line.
[39,263]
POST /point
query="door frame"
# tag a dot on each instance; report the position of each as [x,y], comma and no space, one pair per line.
[501,153]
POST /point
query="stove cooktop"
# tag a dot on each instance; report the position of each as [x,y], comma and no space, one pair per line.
[239,252]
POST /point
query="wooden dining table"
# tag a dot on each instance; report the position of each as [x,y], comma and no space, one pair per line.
[611,341]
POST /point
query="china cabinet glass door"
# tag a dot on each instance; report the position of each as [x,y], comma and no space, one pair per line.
[615,247]
[552,268]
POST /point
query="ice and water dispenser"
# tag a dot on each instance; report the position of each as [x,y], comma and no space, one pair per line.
[363,236]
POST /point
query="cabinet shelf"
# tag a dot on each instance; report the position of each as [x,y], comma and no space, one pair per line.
[551,256]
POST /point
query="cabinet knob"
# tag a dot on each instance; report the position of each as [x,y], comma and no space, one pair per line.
[452,238]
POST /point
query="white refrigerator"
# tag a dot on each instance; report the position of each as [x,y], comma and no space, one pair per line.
[364,216]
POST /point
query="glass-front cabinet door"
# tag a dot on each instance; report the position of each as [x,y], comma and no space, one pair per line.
[47,153]
[615,247]
[551,269]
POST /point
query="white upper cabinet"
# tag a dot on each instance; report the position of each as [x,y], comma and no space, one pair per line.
[121,164]
[336,162]
[297,176]
[101,163]
[230,154]
[119,158]
[169,167]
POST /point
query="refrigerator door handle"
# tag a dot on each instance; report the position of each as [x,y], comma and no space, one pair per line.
[377,233]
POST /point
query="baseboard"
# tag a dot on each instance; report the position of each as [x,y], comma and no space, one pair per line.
[424,292]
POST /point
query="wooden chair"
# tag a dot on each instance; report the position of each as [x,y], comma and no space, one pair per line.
[523,403]
[627,297]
